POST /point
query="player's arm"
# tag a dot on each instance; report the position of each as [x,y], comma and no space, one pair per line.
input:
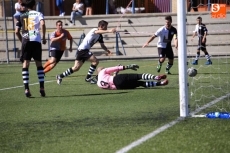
[43,29]
[194,32]
[17,30]
[70,42]
[151,39]
[18,34]
[105,49]
[205,33]
[175,40]
[113,30]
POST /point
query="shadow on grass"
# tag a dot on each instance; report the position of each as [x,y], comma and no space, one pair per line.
[95,94]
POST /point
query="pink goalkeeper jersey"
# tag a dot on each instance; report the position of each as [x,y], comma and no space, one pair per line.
[105,80]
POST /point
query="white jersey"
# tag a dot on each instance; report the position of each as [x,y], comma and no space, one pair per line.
[30,25]
[17,6]
[90,39]
[165,36]
[77,6]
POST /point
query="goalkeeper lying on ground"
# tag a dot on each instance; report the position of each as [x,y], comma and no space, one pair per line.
[127,81]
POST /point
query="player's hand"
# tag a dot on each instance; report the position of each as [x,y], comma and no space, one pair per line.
[44,41]
[62,35]
[113,30]
[176,46]
[145,45]
[192,39]
[132,66]
[203,40]
[109,53]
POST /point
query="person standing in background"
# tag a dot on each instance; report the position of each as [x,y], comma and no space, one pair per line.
[193,4]
[77,10]
[60,5]
[88,6]
[201,31]
[17,7]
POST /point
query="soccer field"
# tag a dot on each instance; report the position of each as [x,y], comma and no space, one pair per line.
[80,117]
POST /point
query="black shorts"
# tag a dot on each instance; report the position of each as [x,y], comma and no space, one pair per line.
[126,81]
[56,54]
[83,55]
[88,3]
[201,46]
[166,52]
[31,49]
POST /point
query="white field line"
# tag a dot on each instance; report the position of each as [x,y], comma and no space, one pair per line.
[23,85]
[166,126]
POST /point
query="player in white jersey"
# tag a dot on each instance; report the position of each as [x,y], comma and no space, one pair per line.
[83,52]
[166,34]
[201,31]
[30,23]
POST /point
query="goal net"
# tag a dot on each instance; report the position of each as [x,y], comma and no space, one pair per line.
[209,90]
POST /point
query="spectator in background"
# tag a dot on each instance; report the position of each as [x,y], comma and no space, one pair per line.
[112,7]
[60,5]
[22,10]
[193,4]
[17,7]
[88,6]
[77,10]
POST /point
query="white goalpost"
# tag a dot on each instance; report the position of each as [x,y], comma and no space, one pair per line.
[182,58]
[209,91]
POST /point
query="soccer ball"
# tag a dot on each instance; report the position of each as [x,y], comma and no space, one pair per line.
[192,72]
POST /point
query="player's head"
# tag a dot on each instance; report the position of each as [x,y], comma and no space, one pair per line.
[59,25]
[99,69]
[102,25]
[30,4]
[168,21]
[199,20]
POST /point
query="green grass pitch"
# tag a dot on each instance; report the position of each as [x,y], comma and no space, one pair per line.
[80,117]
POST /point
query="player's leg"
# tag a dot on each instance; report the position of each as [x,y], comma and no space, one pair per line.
[150,84]
[170,56]
[94,62]
[161,60]
[195,62]
[147,76]
[69,71]
[36,50]
[52,62]
[203,48]
[80,59]
[26,58]
[130,81]
[25,76]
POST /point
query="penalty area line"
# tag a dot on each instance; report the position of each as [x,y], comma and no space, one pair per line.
[166,126]
[23,85]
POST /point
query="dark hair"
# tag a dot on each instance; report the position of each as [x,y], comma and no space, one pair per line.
[168,18]
[23,4]
[30,3]
[102,23]
[199,18]
[59,21]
